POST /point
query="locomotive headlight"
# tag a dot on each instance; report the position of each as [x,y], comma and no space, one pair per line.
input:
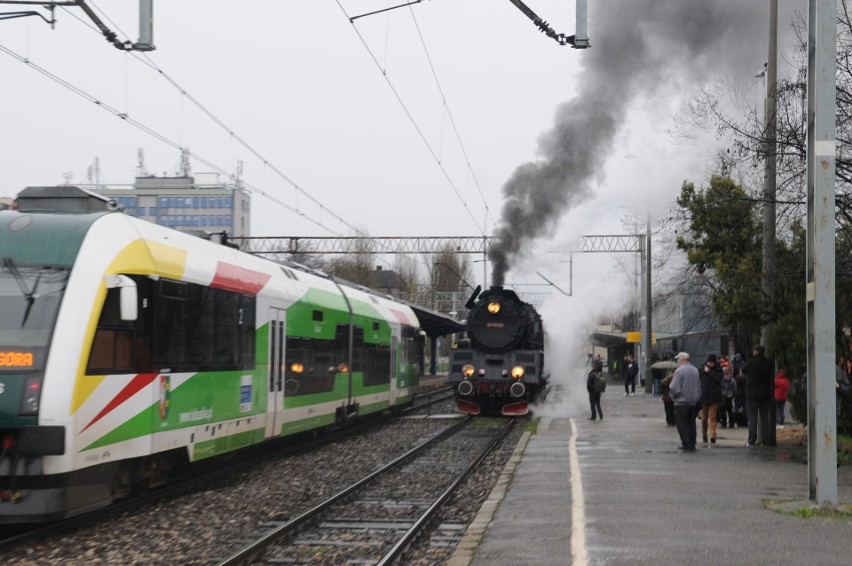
[494,307]
[297,368]
[518,372]
[468,370]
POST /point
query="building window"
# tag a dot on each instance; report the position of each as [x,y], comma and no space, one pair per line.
[195,221]
[227,221]
[134,202]
[187,202]
[152,211]
[204,221]
[228,202]
[194,202]
[140,211]
[164,202]
[203,202]
[220,202]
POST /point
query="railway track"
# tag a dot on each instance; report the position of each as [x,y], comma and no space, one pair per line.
[375,519]
[15,535]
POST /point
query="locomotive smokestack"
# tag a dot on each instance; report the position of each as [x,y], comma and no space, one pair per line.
[640,47]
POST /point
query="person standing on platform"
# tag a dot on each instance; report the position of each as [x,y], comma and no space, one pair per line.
[594,394]
[632,371]
[758,390]
[685,390]
[782,388]
[739,398]
[597,364]
[711,397]
[729,391]
[668,404]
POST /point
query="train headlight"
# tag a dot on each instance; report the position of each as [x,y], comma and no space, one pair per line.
[32,396]
[297,368]
[468,370]
[494,307]
[517,372]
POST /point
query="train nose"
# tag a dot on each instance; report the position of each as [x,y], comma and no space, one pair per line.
[465,388]
[517,389]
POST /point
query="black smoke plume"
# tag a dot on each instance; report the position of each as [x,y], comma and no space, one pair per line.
[641,49]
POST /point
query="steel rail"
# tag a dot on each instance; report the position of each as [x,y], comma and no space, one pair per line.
[423,521]
[286,447]
[251,552]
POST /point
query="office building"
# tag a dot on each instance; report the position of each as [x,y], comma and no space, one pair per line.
[201,203]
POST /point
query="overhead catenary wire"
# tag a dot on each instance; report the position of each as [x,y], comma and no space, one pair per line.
[452,120]
[413,121]
[150,131]
[146,60]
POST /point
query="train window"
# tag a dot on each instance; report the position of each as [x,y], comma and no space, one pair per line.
[318,316]
[112,350]
[358,348]
[121,346]
[203,329]
[412,345]
[308,361]
[376,326]
[378,365]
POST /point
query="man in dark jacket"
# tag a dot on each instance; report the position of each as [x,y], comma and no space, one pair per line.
[759,383]
[630,376]
[711,397]
[594,395]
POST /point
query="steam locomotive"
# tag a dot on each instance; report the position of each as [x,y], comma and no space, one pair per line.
[500,367]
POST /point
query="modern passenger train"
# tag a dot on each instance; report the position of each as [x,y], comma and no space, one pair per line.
[500,367]
[127,348]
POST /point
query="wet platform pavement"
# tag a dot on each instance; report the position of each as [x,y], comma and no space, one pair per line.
[633,497]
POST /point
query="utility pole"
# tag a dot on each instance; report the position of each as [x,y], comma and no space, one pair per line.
[647,342]
[820,266]
[768,279]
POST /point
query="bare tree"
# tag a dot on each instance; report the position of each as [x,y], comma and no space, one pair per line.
[357,267]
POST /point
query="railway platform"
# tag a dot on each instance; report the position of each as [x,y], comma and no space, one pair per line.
[618,491]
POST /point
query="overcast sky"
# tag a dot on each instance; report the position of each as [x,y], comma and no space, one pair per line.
[293,79]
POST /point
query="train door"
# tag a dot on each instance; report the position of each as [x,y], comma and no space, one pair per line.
[395,369]
[275,400]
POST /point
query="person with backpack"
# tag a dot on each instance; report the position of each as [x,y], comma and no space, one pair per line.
[595,385]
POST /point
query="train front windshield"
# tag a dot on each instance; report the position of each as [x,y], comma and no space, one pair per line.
[29,302]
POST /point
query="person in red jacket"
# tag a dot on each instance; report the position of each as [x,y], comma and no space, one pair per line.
[782,388]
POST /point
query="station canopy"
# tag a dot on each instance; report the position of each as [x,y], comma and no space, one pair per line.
[435,323]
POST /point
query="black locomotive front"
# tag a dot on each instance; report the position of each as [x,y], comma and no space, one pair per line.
[501,367]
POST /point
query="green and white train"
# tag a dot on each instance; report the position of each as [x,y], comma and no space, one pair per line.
[127,348]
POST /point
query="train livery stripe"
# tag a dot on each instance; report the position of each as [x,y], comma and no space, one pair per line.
[136,384]
[235,278]
[142,257]
[402,317]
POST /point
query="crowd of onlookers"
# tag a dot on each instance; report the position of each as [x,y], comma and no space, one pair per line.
[728,393]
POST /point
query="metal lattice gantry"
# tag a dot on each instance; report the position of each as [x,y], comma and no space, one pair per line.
[414,245]
[625,243]
[361,245]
